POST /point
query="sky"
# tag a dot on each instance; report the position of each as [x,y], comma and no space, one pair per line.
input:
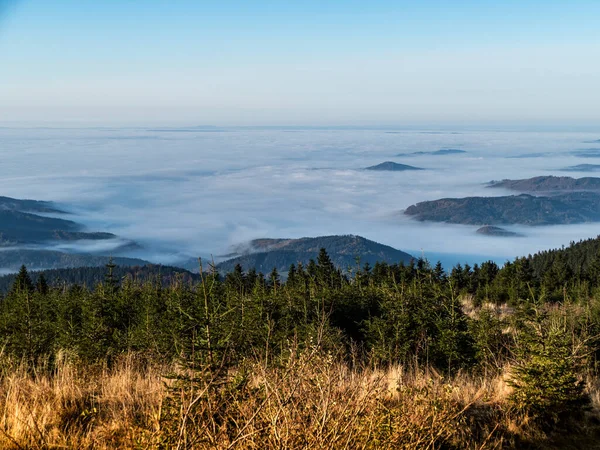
[314,63]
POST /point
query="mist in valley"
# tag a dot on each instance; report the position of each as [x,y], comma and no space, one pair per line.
[188,192]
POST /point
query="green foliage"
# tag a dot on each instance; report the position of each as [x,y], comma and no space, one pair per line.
[22,282]
[91,276]
[491,343]
[384,314]
[341,250]
[546,381]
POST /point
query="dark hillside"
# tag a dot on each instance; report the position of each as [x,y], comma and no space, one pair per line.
[90,276]
[265,254]
[549,184]
[12,259]
[570,208]
[393,167]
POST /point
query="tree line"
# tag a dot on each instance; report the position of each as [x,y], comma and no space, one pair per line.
[536,313]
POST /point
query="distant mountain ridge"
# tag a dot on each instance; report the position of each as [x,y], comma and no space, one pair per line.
[19,224]
[14,204]
[22,227]
[549,184]
[91,275]
[587,153]
[265,254]
[569,208]
[490,230]
[26,230]
[441,152]
[393,167]
[583,168]
[12,259]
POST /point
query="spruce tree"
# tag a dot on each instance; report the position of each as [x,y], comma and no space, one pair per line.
[22,282]
[42,285]
[546,383]
[291,279]
[109,278]
[274,280]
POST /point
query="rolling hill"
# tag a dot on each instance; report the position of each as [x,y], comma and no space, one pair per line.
[21,223]
[441,152]
[583,168]
[569,208]
[30,228]
[12,259]
[490,230]
[549,184]
[90,276]
[265,254]
[392,167]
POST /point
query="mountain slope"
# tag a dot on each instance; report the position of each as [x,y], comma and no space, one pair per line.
[392,167]
[90,276]
[265,254]
[579,257]
[489,230]
[26,232]
[12,259]
[549,184]
[583,168]
[442,152]
[570,208]
[20,225]
[14,204]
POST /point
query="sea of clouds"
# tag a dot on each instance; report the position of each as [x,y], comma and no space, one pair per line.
[186,192]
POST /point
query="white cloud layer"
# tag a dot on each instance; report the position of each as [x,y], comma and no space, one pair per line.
[199,193]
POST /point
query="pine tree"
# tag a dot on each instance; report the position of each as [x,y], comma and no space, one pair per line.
[274,280]
[236,279]
[546,385]
[110,279]
[291,279]
[438,272]
[325,269]
[311,269]
[42,285]
[251,278]
[22,282]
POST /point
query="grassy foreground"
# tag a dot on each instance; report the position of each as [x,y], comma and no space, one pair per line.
[389,357]
[311,401]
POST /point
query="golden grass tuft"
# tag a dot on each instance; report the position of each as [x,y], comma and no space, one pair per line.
[75,407]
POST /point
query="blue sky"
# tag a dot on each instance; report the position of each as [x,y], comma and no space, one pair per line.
[307,63]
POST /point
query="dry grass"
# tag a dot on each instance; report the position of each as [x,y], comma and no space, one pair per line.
[502,311]
[74,407]
[309,402]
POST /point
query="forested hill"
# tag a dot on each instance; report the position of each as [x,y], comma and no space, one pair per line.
[13,204]
[578,258]
[90,276]
[441,152]
[266,254]
[392,167]
[28,236]
[549,184]
[21,222]
[12,259]
[578,262]
[566,208]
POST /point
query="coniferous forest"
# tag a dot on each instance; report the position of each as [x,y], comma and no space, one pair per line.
[389,356]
